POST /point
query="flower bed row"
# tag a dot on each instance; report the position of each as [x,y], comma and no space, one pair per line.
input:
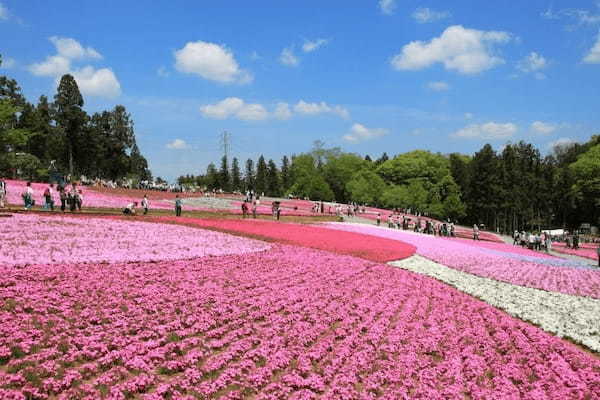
[287,323]
[34,239]
[316,237]
[573,317]
[586,252]
[467,257]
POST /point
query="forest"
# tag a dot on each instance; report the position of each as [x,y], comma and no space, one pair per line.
[100,145]
[516,188]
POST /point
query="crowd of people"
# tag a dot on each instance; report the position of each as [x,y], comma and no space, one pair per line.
[533,240]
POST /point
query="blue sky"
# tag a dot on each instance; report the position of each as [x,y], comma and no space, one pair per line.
[368,76]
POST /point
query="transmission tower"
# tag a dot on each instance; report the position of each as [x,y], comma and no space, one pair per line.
[224,142]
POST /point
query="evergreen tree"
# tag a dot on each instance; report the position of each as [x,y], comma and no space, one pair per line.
[224,178]
[286,180]
[484,185]
[212,177]
[236,176]
[70,116]
[261,176]
[273,184]
[249,175]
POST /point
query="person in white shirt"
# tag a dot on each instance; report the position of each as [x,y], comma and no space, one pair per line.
[130,208]
[28,196]
[145,204]
[2,193]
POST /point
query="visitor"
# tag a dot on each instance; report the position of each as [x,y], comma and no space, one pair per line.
[475,232]
[72,197]
[27,196]
[548,243]
[378,219]
[130,208]
[63,198]
[515,238]
[48,200]
[145,204]
[2,193]
[390,224]
[254,209]
[178,205]
[79,199]
[244,209]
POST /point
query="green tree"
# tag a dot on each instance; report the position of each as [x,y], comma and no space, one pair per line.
[249,175]
[273,181]
[236,176]
[366,187]
[212,177]
[286,179]
[418,164]
[70,116]
[224,178]
[338,171]
[483,199]
[261,176]
[308,182]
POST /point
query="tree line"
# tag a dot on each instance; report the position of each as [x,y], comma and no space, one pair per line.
[100,145]
[516,188]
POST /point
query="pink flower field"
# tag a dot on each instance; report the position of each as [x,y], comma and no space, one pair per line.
[587,251]
[289,322]
[534,271]
[34,239]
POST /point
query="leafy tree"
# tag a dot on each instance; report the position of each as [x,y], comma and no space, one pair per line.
[339,170]
[418,164]
[482,197]
[366,187]
[236,176]
[586,171]
[308,182]
[212,178]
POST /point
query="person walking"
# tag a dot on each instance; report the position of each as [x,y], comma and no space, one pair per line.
[27,196]
[178,205]
[79,199]
[378,219]
[254,209]
[145,204]
[475,232]
[2,193]
[62,193]
[72,197]
[244,209]
[48,200]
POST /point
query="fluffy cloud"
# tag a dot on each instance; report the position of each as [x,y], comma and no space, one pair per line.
[91,81]
[542,128]
[387,6]
[287,57]
[163,72]
[210,61]
[97,82]
[282,111]
[177,144]
[234,107]
[360,133]
[593,56]
[425,15]
[533,63]
[3,12]
[303,107]
[487,131]
[72,49]
[310,46]
[468,51]
[438,86]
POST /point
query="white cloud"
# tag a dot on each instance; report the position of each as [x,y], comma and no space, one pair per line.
[593,57]
[309,46]
[303,107]
[581,17]
[425,15]
[8,63]
[438,86]
[3,12]
[210,61]
[235,107]
[91,81]
[469,115]
[53,66]
[97,82]
[542,128]
[282,111]
[387,6]
[72,49]
[255,56]
[533,63]
[360,133]
[468,51]
[163,72]
[487,131]
[287,57]
[177,144]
